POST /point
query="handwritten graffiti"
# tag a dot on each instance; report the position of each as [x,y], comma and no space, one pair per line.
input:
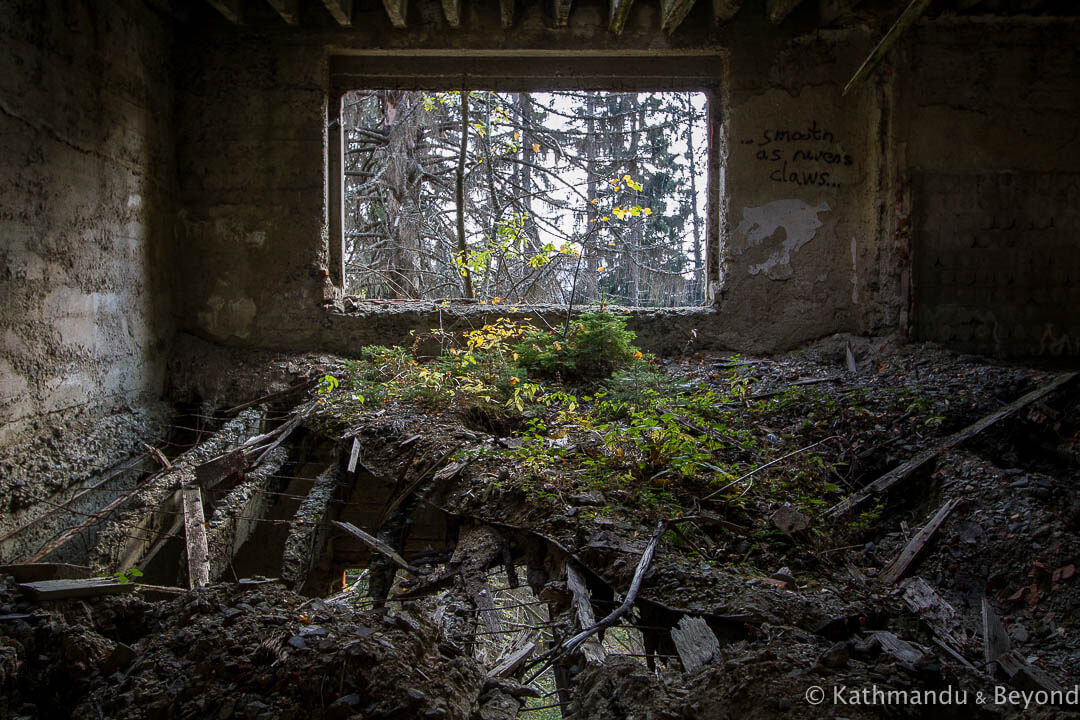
[797,155]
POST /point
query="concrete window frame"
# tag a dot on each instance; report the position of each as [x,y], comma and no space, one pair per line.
[530,71]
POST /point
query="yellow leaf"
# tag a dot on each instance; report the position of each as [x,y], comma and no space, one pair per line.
[647,211]
[517,136]
[605,218]
[611,244]
[637,354]
[602,268]
[536,147]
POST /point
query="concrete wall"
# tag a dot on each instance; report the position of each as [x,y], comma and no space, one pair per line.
[990,109]
[832,205]
[86,186]
[799,263]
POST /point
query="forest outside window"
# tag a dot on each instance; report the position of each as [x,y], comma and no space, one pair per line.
[526,197]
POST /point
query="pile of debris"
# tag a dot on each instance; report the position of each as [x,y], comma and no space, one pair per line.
[783,535]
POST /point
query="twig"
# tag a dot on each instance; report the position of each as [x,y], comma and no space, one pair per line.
[766,465]
[573,643]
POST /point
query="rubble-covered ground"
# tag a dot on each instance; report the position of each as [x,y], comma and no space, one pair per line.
[538,463]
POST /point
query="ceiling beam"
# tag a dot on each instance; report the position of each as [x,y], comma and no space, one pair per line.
[724,10]
[778,10]
[289,10]
[672,13]
[911,14]
[620,10]
[231,9]
[341,10]
[506,13]
[452,10]
[560,11]
[397,11]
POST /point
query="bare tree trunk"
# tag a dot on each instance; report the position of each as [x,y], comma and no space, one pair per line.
[699,277]
[459,191]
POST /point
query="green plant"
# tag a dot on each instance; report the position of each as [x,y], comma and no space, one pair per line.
[594,346]
[127,576]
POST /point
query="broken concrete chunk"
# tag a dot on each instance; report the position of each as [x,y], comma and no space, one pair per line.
[789,520]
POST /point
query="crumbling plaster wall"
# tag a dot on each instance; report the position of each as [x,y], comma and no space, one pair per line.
[990,118]
[800,257]
[86,180]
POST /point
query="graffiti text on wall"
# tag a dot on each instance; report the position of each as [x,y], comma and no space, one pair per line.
[802,156]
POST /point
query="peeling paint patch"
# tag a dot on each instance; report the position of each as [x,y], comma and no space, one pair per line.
[797,219]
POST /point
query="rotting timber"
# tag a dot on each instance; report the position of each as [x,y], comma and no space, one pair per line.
[629,544]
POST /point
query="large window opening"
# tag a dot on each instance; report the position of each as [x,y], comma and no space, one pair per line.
[526,197]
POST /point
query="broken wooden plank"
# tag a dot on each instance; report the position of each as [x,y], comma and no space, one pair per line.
[378,546]
[995,640]
[512,662]
[922,599]
[506,13]
[913,12]
[232,10]
[902,650]
[354,455]
[724,10]
[618,13]
[198,554]
[695,642]
[35,572]
[397,10]
[560,12]
[583,612]
[213,471]
[672,13]
[778,10]
[913,549]
[85,587]
[289,10]
[902,472]
[341,10]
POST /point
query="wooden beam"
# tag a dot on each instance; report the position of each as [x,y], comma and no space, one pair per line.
[911,552]
[778,10]
[907,18]
[452,10]
[231,9]
[560,12]
[583,612]
[378,546]
[902,472]
[396,10]
[672,13]
[724,10]
[198,554]
[506,13]
[35,572]
[341,10]
[620,10]
[88,587]
[289,10]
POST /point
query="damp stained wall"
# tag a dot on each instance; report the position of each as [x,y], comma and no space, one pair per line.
[991,112]
[86,181]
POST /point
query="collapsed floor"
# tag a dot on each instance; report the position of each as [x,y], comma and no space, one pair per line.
[704,537]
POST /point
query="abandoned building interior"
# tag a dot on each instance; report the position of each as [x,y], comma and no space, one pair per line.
[797,435]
